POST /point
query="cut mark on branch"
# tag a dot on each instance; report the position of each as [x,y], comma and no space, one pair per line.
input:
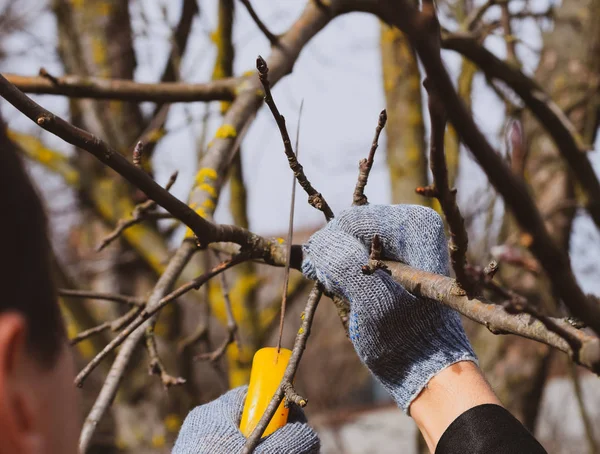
[137,153]
[364,166]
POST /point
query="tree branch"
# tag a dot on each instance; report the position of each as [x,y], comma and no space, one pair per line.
[314,198]
[156,366]
[117,298]
[364,166]
[459,239]
[114,325]
[495,317]
[126,90]
[421,29]
[286,388]
[206,231]
[260,24]
[549,115]
[152,309]
[111,384]
[215,163]
[140,214]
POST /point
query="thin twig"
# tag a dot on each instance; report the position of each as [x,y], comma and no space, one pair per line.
[475,16]
[459,239]
[364,166]
[286,275]
[199,334]
[269,314]
[232,327]
[114,325]
[218,353]
[375,263]
[140,214]
[150,311]
[314,198]
[124,224]
[585,417]
[285,388]
[156,367]
[117,298]
[260,24]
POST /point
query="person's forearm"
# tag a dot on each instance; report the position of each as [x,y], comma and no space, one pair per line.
[449,394]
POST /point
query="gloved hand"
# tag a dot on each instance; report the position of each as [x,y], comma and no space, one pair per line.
[404,340]
[213,428]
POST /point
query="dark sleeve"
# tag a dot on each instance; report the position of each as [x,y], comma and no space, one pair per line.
[488,429]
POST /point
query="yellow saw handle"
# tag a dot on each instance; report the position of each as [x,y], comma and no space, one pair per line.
[268,368]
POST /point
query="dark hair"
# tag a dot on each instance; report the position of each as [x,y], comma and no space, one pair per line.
[26,284]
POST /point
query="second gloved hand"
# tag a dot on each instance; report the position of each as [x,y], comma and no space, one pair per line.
[404,340]
[213,428]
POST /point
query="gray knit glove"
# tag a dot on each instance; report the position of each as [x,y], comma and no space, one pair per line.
[402,339]
[213,428]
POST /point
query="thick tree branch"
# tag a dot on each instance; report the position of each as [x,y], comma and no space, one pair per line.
[421,29]
[459,239]
[550,116]
[206,231]
[495,317]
